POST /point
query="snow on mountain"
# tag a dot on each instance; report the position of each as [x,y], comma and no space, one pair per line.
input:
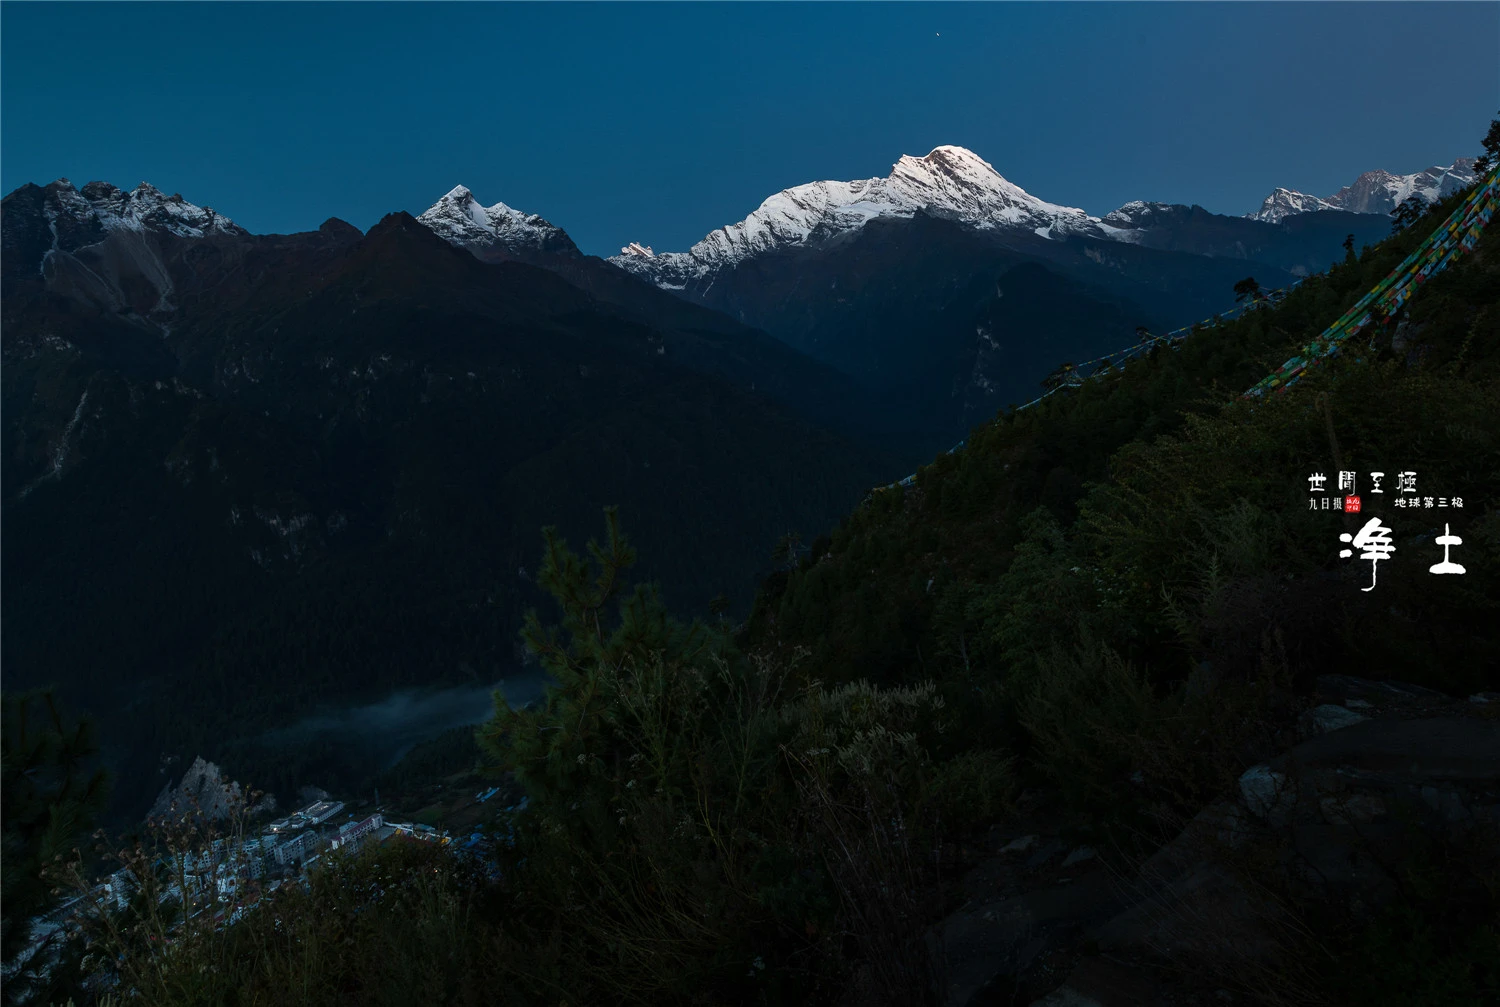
[1126,223]
[950,182]
[104,245]
[1283,203]
[1135,214]
[144,208]
[1373,192]
[460,219]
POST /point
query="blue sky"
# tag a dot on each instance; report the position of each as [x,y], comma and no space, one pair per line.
[657,123]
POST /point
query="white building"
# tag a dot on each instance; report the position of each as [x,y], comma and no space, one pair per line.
[354,834]
[297,849]
[320,811]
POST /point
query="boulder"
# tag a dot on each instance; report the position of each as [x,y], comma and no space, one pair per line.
[1018,845]
[1266,792]
[1331,816]
[1326,718]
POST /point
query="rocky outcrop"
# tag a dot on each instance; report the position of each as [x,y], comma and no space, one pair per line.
[204,793]
[1383,768]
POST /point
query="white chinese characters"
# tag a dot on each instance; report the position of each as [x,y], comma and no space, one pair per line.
[1406,496]
[1375,539]
[1447,540]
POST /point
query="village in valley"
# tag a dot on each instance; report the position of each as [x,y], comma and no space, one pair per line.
[239,857]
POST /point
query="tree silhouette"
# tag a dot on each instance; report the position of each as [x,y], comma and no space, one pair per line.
[1248,288]
[1408,212]
[1065,374]
[1491,157]
[1349,247]
[607,632]
[788,548]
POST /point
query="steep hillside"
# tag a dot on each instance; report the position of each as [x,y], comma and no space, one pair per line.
[1072,720]
[892,593]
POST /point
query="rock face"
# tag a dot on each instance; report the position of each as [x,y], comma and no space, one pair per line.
[105,246]
[203,791]
[140,257]
[1334,816]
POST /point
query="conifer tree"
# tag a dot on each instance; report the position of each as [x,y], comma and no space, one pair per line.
[788,548]
[1248,288]
[1491,156]
[557,747]
[1411,209]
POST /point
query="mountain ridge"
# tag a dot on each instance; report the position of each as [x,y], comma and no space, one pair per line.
[317,471]
[950,181]
[1373,192]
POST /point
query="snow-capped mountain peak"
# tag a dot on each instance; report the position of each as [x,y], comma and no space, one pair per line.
[949,181]
[144,208]
[493,230]
[957,179]
[1373,192]
[1136,213]
[1283,203]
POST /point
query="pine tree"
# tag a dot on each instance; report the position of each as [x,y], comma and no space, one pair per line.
[557,748]
[1491,143]
[788,548]
[1411,209]
[1248,287]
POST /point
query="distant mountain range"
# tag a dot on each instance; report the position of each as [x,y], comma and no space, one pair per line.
[896,281]
[951,183]
[1373,192]
[955,183]
[250,476]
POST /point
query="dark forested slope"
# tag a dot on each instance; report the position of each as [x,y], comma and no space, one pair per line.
[246,478]
[911,582]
